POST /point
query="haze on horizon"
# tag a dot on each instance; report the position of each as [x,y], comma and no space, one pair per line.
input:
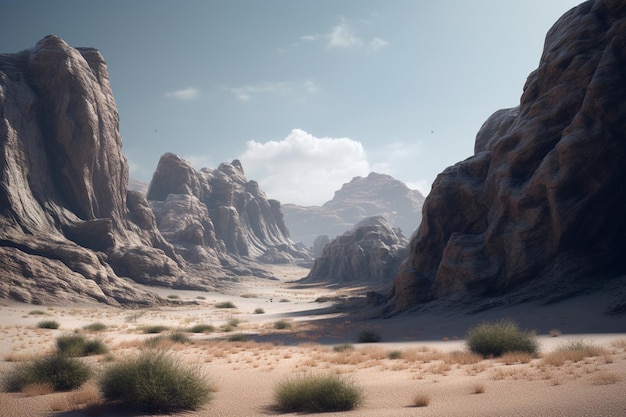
[306,94]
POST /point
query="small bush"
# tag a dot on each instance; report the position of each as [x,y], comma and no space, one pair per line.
[234,322]
[37,313]
[179,337]
[282,325]
[61,372]
[316,393]
[394,354]
[155,382]
[421,400]
[259,311]
[48,324]
[78,345]
[343,347]
[368,336]
[95,327]
[202,328]
[173,297]
[238,337]
[495,339]
[155,329]
[225,304]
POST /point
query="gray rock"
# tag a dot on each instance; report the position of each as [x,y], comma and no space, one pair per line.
[538,210]
[374,195]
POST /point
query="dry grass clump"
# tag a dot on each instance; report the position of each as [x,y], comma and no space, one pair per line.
[477,388]
[512,358]
[573,352]
[95,327]
[317,394]
[88,395]
[604,378]
[421,400]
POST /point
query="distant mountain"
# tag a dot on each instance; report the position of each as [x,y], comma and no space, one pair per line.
[374,195]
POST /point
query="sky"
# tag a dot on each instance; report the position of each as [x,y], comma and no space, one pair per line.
[306,94]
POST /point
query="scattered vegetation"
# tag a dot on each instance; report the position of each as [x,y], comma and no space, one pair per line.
[368,336]
[48,324]
[604,378]
[158,328]
[225,304]
[317,393]
[495,339]
[61,372]
[259,311]
[95,327]
[574,351]
[202,328]
[155,382]
[282,325]
[72,345]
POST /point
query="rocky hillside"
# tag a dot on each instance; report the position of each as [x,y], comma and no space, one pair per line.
[70,228]
[538,211]
[368,254]
[374,195]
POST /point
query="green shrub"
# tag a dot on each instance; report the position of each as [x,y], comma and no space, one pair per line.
[48,324]
[343,347]
[225,304]
[179,337]
[159,328]
[37,313]
[282,325]
[259,311]
[368,336]
[495,339]
[77,345]
[238,337]
[394,354]
[155,382]
[202,328]
[62,372]
[317,393]
[95,327]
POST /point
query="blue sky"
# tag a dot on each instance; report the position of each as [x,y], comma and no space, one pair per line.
[308,94]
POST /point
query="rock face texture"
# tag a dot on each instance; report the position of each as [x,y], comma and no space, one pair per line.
[374,195]
[368,254]
[541,203]
[217,217]
[68,228]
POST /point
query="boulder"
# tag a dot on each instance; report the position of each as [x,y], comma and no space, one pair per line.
[537,211]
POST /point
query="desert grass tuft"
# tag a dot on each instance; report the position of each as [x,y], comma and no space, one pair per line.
[95,327]
[225,304]
[574,351]
[202,328]
[48,324]
[259,311]
[604,378]
[78,345]
[282,325]
[317,394]
[368,336]
[477,388]
[495,339]
[37,313]
[421,400]
[157,328]
[343,347]
[61,372]
[155,382]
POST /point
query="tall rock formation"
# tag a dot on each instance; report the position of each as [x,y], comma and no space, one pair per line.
[374,195]
[540,206]
[368,254]
[217,217]
[68,228]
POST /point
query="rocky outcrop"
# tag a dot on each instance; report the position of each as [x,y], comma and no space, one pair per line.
[538,210]
[69,229]
[374,195]
[368,254]
[217,217]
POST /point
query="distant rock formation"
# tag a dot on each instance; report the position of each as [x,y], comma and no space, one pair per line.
[374,195]
[538,211]
[216,217]
[69,229]
[368,254]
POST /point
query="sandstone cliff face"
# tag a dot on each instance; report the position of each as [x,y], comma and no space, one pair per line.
[368,254]
[68,229]
[217,217]
[374,195]
[541,202]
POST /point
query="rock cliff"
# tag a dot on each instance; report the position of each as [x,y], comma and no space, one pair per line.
[538,210]
[368,254]
[374,195]
[217,217]
[68,227]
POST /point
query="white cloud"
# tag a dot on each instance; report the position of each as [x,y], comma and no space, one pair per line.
[303,169]
[284,89]
[309,38]
[378,43]
[342,36]
[185,94]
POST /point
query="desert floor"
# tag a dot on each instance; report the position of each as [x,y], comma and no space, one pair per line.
[431,362]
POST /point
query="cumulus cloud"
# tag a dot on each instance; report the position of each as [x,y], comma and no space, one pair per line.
[284,89]
[185,94]
[342,36]
[378,43]
[302,168]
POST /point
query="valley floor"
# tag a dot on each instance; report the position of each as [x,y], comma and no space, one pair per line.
[420,357]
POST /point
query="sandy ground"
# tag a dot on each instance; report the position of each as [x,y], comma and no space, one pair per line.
[433,362]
